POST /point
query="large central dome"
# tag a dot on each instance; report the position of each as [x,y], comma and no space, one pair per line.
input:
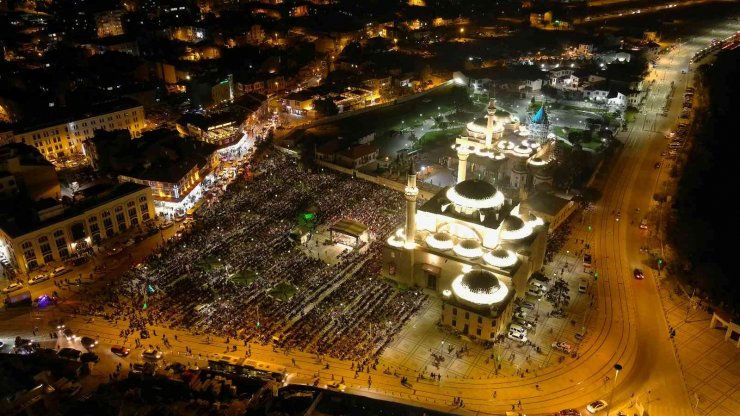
[475,194]
[480,287]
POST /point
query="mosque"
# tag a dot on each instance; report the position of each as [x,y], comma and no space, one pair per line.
[470,243]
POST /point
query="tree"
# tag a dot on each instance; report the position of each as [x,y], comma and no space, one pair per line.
[325,107]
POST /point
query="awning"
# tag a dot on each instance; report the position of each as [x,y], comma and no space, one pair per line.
[349,227]
[431,269]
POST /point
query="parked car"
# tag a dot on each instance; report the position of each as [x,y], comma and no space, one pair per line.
[70,353]
[569,412]
[120,350]
[517,336]
[528,305]
[38,279]
[89,357]
[13,287]
[597,406]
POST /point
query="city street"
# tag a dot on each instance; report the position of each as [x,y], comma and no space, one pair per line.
[625,325]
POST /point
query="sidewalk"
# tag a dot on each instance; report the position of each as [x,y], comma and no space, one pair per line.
[711,365]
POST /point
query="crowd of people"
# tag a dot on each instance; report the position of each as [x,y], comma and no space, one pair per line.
[342,310]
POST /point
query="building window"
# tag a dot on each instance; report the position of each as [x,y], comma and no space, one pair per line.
[454,311]
[454,322]
[467,315]
[493,335]
[478,332]
[480,319]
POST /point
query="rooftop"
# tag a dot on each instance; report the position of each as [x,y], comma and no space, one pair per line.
[104,196]
[547,203]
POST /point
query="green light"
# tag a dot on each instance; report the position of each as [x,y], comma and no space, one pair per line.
[589,228]
[596,275]
[660,261]
[258,324]
[145,306]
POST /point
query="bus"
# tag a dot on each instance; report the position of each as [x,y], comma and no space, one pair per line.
[19,300]
[246,367]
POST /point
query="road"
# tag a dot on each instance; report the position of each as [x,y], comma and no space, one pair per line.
[628,326]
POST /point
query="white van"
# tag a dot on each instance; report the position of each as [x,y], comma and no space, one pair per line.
[583,286]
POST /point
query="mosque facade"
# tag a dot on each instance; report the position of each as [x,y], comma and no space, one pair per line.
[470,243]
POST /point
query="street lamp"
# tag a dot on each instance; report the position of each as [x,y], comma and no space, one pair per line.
[617,369]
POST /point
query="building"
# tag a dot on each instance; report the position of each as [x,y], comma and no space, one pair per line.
[176,169]
[357,156]
[109,23]
[299,103]
[62,135]
[23,170]
[59,232]
[553,209]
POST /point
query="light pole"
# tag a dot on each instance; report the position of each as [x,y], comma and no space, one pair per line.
[617,369]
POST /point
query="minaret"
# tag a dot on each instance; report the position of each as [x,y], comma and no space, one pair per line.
[462,166]
[411,192]
[490,112]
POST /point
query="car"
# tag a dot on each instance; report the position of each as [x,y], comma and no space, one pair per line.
[528,305]
[569,412]
[597,406]
[70,353]
[517,336]
[90,357]
[520,314]
[61,270]
[335,385]
[57,324]
[176,368]
[518,329]
[88,342]
[657,165]
[525,323]
[70,335]
[120,350]
[534,292]
[129,242]
[79,261]
[38,279]
[152,355]
[583,286]
[13,287]
[639,274]
[144,367]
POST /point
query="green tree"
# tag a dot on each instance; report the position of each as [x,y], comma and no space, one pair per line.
[325,107]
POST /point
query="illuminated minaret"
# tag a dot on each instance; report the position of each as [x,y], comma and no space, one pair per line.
[462,166]
[490,112]
[411,192]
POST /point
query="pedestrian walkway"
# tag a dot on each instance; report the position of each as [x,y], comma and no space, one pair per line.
[710,365]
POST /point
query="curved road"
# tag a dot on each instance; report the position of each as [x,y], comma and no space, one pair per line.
[628,326]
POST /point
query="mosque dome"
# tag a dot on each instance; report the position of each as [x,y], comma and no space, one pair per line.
[480,287]
[512,223]
[469,248]
[540,117]
[440,241]
[500,257]
[475,194]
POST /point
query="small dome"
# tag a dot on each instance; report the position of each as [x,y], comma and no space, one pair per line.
[480,287]
[512,223]
[440,241]
[468,248]
[523,150]
[500,258]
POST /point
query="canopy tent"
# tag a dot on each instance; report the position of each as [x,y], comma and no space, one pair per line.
[348,228]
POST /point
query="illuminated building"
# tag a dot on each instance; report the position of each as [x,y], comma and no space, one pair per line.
[57,232]
[63,136]
[470,242]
